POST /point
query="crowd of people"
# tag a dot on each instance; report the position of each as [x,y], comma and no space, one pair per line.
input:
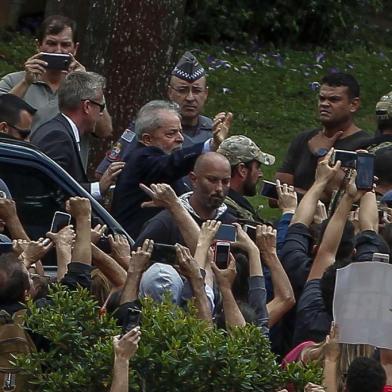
[182,182]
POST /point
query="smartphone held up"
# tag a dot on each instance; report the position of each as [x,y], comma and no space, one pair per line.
[60,220]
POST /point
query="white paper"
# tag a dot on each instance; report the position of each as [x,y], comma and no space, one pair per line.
[362,306]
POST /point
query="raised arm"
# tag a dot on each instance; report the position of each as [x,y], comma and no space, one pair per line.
[225,279]
[124,349]
[257,294]
[206,237]
[109,267]
[121,250]
[287,202]
[331,359]
[283,299]
[163,195]
[9,215]
[307,207]
[63,241]
[191,270]
[140,260]
[80,209]
[368,212]
[333,232]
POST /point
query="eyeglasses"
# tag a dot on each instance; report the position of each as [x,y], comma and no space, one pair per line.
[101,105]
[24,133]
[185,90]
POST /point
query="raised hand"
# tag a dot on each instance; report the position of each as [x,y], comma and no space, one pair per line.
[162,195]
[287,200]
[325,172]
[140,258]
[187,264]
[78,207]
[221,128]
[225,277]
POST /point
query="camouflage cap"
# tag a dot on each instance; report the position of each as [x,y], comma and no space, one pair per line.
[384,107]
[240,149]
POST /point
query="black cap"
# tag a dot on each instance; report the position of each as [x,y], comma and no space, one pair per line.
[188,68]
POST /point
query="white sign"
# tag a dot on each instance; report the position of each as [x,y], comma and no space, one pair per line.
[362,306]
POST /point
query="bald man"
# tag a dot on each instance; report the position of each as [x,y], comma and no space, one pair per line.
[211,182]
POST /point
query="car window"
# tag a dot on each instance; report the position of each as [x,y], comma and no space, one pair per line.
[36,195]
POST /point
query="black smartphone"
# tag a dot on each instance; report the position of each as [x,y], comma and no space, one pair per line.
[60,220]
[104,244]
[222,252]
[163,253]
[133,320]
[348,159]
[268,189]
[365,171]
[251,231]
[226,233]
[59,61]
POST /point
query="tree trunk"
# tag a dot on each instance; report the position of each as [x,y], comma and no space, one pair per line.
[133,44]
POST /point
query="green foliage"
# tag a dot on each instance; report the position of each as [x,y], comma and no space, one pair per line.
[298,374]
[80,353]
[276,21]
[271,97]
[15,49]
[177,352]
[180,353]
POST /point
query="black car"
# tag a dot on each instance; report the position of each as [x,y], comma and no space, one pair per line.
[40,187]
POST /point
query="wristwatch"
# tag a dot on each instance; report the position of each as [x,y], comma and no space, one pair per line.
[321,152]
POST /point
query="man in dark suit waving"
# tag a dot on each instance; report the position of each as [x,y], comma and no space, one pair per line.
[81,104]
[158,157]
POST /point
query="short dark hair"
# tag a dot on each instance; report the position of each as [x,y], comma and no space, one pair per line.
[14,279]
[338,79]
[10,108]
[365,375]
[327,283]
[55,24]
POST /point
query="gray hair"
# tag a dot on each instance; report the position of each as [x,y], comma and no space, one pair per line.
[148,118]
[78,86]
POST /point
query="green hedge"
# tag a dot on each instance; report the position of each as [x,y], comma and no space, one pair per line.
[276,21]
[177,352]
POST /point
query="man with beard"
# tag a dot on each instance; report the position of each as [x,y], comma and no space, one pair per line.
[245,159]
[211,181]
[337,104]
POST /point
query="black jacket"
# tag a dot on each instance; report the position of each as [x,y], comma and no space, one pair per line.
[56,139]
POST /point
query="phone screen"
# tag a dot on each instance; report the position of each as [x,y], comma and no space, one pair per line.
[347,158]
[251,231]
[222,251]
[226,233]
[268,189]
[60,220]
[163,253]
[365,171]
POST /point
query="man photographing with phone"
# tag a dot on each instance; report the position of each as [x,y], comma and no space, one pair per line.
[43,73]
